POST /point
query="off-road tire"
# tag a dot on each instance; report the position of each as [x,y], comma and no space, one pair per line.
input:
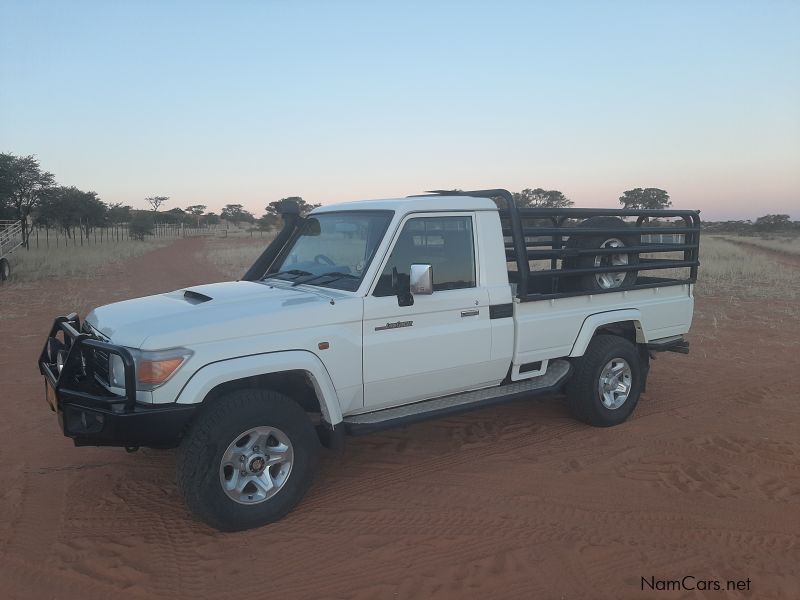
[5,269]
[215,428]
[584,399]
[589,282]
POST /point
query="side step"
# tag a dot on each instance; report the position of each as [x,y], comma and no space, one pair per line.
[676,343]
[551,381]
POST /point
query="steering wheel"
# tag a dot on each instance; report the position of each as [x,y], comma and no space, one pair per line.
[322,259]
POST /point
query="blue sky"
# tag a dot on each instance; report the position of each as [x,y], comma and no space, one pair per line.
[251,101]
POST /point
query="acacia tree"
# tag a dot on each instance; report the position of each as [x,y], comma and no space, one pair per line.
[155,202]
[541,198]
[21,184]
[174,215]
[647,198]
[772,222]
[268,222]
[272,218]
[118,213]
[68,207]
[6,186]
[196,210]
[305,207]
[235,213]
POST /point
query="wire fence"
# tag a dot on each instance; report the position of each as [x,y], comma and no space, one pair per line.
[50,237]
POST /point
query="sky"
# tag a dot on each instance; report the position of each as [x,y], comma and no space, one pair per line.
[249,102]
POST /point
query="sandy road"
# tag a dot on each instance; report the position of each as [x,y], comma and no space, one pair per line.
[516,501]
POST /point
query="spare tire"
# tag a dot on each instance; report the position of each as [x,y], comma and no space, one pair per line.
[611,279]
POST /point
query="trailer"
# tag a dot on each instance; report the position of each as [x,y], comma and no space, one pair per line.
[10,239]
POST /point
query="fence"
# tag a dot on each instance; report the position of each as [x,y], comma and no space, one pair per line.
[664,238]
[49,237]
[10,236]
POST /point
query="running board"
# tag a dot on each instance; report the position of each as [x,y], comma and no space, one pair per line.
[551,381]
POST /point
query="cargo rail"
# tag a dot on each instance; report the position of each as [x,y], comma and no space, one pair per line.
[11,238]
[544,234]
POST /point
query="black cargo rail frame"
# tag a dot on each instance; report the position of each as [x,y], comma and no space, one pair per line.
[551,281]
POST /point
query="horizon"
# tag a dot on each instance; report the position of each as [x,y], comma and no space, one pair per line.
[258,102]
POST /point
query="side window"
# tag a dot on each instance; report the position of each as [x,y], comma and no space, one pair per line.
[445,243]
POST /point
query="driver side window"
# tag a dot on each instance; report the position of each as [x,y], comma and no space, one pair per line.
[445,243]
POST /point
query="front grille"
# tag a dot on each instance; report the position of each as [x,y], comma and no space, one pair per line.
[96,360]
[99,363]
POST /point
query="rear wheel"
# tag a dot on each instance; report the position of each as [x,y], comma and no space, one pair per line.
[610,279]
[247,460]
[605,386]
[5,269]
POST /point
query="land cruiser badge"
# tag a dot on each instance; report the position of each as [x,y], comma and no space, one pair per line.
[396,325]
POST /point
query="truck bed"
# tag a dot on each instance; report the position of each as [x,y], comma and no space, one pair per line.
[548,329]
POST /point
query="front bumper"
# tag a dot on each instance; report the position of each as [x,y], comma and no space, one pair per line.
[88,412]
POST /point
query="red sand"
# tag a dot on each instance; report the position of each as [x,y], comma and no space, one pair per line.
[517,501]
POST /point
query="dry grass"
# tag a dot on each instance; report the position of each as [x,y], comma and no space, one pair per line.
[50,263]
[789,244]
[727,268]
[234,255]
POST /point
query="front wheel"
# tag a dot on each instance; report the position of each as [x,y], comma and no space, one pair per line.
[606,383]
[247,460]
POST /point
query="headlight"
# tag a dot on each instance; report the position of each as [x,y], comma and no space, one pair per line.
[116,371]
[152,368]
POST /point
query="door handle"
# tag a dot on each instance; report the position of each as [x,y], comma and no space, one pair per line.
[470,313]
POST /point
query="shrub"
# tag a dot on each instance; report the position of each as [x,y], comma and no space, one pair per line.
[141,225]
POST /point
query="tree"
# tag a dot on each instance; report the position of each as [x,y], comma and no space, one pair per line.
[305,207]
[173,215]
[268,222]
[647,198]
[118,213]
[156,201]
[235,213]
[540,198]
[68,207]
[21,183]
[196,210]
[212,218]
[772,222]
[141,225]
[6,186]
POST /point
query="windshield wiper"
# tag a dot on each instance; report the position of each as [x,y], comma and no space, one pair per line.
[295,272]
[334,275]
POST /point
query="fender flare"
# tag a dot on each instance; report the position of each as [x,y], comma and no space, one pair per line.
[593,322]
[209,376]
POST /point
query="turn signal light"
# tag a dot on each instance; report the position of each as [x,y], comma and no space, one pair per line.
[156,372]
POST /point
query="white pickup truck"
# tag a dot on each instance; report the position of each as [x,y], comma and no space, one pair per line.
[373,314]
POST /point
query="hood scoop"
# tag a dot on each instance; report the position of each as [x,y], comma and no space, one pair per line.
[195,297]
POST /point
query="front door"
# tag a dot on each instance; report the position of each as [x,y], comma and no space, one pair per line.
[441,344]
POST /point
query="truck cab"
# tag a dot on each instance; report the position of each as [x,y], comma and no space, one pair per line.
[374,314]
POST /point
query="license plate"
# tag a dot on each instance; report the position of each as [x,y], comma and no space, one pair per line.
[50,395]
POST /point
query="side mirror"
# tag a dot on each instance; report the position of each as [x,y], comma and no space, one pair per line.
[421,280]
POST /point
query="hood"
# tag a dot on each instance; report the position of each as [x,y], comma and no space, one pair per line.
[212,312]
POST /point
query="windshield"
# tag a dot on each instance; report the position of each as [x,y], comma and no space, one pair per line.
[332,249]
